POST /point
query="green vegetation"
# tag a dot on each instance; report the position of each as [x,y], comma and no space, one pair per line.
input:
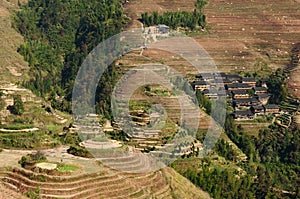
[272,165]
[79,151]
[225,150]
[18,107]
[31,159]
[204,102]
[2,102]
[104,90]
[20,140]
[18,124]
[34,194]
[65,167]
[178,19]
[277,86]
[139,105]
[59,35]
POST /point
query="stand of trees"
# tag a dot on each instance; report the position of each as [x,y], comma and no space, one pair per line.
[177,19]
[18,107]
[59,35]
[272,169]
[204,102]
[277,86]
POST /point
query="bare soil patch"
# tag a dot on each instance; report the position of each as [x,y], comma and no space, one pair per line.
[46,165]
[10,194]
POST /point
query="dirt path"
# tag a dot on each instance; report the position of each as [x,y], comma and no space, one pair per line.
[19,131]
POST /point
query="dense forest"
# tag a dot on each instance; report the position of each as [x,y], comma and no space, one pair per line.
[59,35]
[271,170]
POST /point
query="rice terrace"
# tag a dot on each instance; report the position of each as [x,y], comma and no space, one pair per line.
[158,149]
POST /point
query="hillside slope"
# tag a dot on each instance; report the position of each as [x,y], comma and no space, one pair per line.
[96,180]
[12,65]
[242,35]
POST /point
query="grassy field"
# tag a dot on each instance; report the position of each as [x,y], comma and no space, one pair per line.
[65,167]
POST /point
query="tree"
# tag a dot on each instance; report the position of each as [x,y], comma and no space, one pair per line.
[277,86]
[18,107]
[2,102]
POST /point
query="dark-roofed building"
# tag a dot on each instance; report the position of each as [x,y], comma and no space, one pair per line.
[249,80]
[163,29]
[271,109]
[210,94]
[257,110]
[237,86]
[260,90]
[238,94]
[220,75]
[245,103]
[217,83]
[206,76]
[226,81]
[200,85]
[214,94]
[233,78]
[263,98]
[263,82]
[229,95]
[243,115]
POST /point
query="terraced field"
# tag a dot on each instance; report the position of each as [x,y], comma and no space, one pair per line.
[242,35]
[95,180]
[106,183]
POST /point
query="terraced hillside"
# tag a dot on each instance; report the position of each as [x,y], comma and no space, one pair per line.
[244,33]
[102,182]
[241,34]
[9,194]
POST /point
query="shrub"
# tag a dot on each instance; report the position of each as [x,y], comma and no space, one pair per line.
[31,159]
[79,151]
[17,108]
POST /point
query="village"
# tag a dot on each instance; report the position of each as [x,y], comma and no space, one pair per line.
[248,97]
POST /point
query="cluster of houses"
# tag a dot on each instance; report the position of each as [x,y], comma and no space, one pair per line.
[243,94]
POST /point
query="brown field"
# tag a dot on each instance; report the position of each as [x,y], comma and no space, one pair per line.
[96,180]
[240,33]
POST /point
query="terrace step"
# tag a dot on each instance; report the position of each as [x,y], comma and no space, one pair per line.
[105,186]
